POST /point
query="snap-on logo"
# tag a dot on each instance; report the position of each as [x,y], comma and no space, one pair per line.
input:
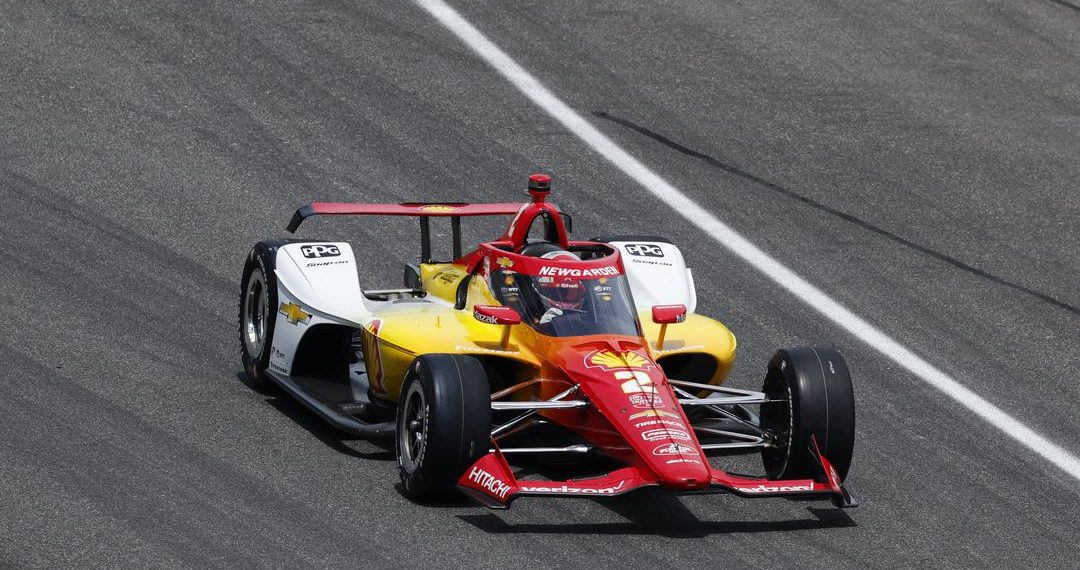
[644,250]
[319,250]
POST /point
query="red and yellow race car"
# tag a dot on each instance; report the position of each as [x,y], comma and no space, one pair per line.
[529,347]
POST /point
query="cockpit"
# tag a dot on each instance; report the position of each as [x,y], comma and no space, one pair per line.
[565,292]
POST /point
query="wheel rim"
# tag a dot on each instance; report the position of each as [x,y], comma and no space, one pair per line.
[256,312]
[777,419]
[412,434]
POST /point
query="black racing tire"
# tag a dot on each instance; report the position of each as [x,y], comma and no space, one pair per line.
[815,397]
[443,423]
[258,313]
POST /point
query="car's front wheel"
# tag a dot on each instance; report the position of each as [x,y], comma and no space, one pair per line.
[810,395]
[443,423]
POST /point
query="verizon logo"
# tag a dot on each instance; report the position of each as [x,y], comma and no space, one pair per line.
[566,489]
[762,488]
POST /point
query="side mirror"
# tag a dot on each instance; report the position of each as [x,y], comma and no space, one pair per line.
[496,315]
[668,314]
[665,315]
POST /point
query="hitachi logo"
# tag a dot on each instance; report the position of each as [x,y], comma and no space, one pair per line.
[762,488]
[490,482]
[608,271]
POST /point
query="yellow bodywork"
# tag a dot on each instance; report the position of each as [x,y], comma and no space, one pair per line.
[407,330]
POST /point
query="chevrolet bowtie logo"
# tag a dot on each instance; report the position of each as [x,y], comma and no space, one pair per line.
[293,313]
[505,262]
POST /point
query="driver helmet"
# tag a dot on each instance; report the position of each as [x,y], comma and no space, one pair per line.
[561,292]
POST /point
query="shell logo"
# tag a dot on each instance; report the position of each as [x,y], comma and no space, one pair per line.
[609,360]
[655,414]
[438,209]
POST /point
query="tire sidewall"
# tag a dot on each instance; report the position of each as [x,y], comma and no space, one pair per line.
[259,259]
[821,404]
[457,422]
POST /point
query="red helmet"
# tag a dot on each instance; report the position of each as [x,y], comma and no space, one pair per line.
[561,292]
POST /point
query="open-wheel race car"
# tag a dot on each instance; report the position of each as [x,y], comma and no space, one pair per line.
[534,348]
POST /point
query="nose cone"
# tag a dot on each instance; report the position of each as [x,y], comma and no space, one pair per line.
[683,477]
[631,391]
[678,464]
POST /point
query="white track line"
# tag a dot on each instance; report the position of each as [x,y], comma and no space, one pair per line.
[740,246]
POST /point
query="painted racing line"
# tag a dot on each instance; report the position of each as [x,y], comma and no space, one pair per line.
[740,246]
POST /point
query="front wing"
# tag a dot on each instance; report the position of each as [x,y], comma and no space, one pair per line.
[492,483]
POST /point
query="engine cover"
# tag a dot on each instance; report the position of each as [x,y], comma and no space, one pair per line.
[657,273]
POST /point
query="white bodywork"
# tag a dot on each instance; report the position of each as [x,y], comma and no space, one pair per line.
[657,274]
[322,280]
[323,276]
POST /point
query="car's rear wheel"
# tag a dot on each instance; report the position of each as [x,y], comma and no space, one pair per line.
[443,423]
[811,395]
[258,313]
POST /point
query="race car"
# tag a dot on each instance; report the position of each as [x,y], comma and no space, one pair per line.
[537,347]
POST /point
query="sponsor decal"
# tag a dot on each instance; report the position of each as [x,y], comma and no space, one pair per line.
[276,352]
[646,401]
[635,382]
[674,449]
[437,209]
[566,489]
[763,488]
[279,368]
[655,414]
[461,348]
[651,262]
[644,250]
[666,423]
[320,263]
[552,271]
[504,262]
[489,319]
[664,433]
[294,314]
[448,276]
[610,360]
[491,483]
[316,250]
[682,460]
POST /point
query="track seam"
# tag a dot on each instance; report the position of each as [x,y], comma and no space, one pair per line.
[838,213]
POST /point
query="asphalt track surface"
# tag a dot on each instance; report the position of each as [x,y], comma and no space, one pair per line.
[915,160]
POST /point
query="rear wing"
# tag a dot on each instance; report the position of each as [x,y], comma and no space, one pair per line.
[453,210]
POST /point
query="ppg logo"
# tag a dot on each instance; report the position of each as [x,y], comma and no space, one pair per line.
[644,250]
[319,250]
